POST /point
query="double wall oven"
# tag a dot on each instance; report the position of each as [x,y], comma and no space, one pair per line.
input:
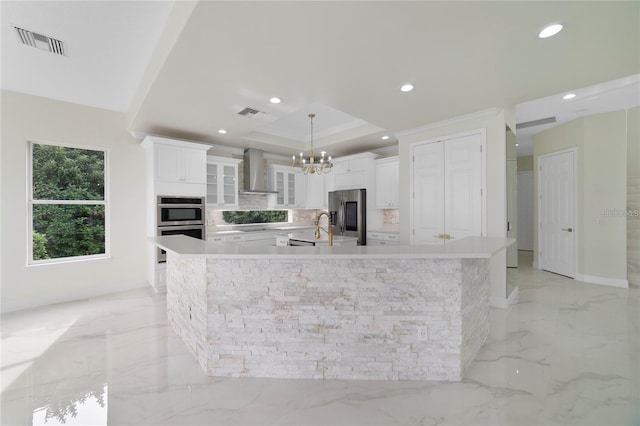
[180,216]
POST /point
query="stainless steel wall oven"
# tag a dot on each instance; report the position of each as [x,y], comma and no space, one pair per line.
[174,211]
[180,216]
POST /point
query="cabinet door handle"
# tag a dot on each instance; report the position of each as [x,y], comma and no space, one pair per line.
[568,229]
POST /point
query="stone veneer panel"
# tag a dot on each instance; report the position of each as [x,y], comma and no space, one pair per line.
[187,302]
[396,319]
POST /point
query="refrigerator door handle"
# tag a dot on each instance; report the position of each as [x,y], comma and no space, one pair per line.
[343,216]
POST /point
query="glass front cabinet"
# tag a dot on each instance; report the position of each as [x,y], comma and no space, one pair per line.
[222,182]
[289,185]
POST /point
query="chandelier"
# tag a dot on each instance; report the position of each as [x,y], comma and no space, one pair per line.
[308,164]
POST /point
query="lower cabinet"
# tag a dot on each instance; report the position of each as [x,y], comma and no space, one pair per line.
[382,239]
[282,241]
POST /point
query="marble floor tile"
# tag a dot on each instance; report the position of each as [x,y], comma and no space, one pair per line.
[566,353]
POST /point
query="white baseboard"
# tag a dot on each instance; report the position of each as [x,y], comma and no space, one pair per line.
[44,301]
[611,282]
[513,297]
[498,302]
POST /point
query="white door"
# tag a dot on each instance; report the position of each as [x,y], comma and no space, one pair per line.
[463,186]
[428,193]
[556,213]
[447,189]
[525,211]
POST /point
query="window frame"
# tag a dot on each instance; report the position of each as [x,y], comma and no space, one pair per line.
[31,203]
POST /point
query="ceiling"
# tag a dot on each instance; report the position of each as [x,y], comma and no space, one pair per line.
[185,69]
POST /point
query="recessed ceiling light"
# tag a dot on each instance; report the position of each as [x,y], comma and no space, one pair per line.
[407,88]
[222,131]
[549,31]
[569,96]
[275,100]
[385,137]
[517,144]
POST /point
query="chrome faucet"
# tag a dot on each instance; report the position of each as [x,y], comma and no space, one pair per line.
[318,228]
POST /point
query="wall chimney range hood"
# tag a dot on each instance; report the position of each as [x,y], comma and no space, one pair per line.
[255,181]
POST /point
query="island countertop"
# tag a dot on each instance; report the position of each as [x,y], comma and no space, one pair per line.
[324,239]
[465,248]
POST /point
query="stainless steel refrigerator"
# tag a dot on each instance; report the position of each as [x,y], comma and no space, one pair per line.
[348,210]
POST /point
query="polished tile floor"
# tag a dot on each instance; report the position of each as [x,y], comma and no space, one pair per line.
[567,353]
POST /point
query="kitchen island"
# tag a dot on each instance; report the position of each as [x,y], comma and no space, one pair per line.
[381,312]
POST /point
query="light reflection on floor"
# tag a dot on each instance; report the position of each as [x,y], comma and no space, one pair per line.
[88,409]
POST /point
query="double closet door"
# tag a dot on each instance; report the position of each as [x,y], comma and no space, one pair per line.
[447,178]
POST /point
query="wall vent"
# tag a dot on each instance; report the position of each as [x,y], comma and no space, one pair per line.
[532,123]
[40,41]
[251,112]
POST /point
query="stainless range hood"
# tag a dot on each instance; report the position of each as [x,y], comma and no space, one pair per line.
[255,181]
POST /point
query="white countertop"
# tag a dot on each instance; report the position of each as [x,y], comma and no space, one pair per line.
[324,238]
[465,248]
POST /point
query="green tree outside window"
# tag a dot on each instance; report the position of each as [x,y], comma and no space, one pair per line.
[68,206]
[255,216]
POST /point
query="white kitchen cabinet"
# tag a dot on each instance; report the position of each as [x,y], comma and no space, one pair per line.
[290,187]
[382,238]
[282,240]
[354,172]
[222,182]
[173,168]
[224,239]
[317,196]
[387,183]
[178,164]
[447,184]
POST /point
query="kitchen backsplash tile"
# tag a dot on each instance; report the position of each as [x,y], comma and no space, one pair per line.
[253,202]
[391,216]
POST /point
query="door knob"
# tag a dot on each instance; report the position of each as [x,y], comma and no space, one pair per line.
[568,229]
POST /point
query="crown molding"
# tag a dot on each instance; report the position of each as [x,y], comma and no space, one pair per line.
[491,112]
[392,149]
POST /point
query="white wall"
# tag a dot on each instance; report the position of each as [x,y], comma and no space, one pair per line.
[601,143]
[633,142]
[25,118]
[494,123]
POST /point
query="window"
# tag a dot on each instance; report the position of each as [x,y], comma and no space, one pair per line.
[255,216]
[67,203]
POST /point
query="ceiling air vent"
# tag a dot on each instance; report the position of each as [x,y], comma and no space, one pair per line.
[532,123]
[251,113]
[40,41]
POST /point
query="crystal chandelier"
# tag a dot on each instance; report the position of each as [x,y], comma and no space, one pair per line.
[308,165]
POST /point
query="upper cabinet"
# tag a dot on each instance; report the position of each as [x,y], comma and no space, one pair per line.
[289,185]
[222,182]
[387,183]
[354,172]
[317,196]
[180,164]
[176,167]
